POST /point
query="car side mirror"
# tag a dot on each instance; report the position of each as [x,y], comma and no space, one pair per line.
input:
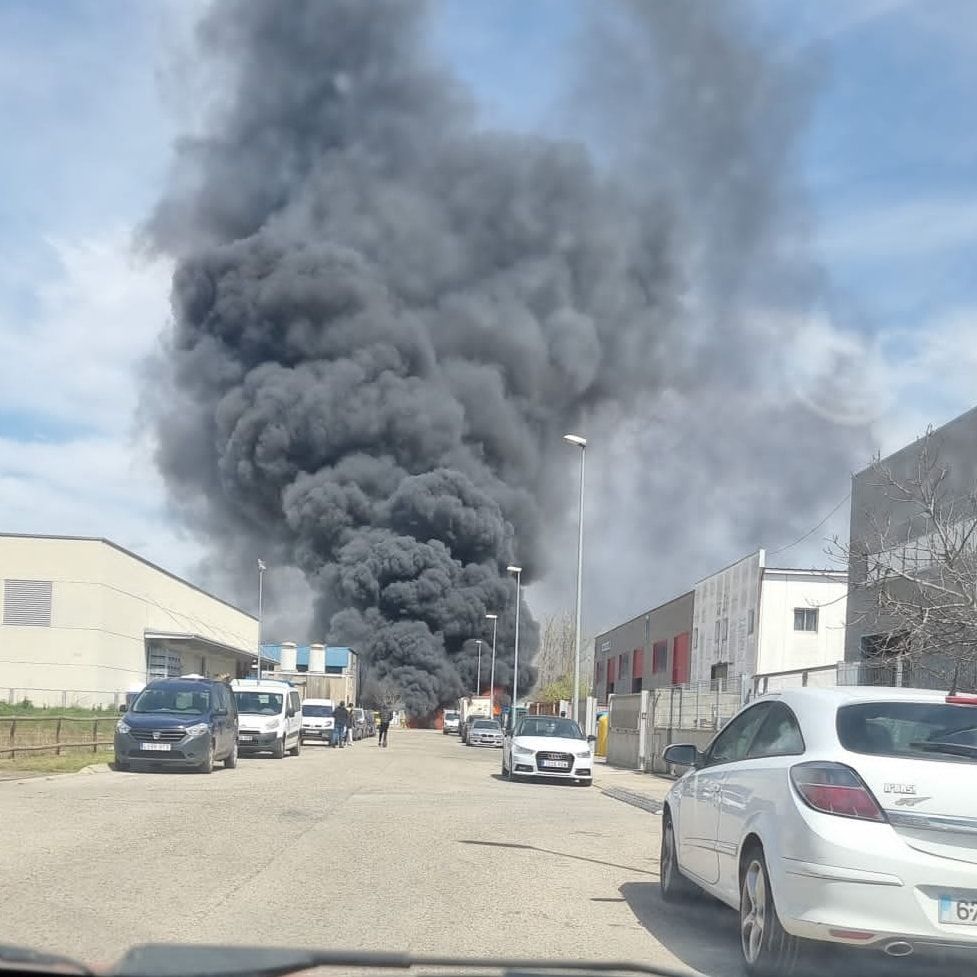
[123,708]
[220,712]
[591,739]
[683,755]
[290,713]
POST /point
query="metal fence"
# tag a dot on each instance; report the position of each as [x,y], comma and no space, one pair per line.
[62,698]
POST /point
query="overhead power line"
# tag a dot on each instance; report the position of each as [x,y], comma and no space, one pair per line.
[811,532]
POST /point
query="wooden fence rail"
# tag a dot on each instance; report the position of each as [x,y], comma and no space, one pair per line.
[24,734]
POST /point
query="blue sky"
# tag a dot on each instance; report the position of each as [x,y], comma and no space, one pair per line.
[92,93]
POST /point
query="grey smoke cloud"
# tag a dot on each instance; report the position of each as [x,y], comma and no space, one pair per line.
[384,318]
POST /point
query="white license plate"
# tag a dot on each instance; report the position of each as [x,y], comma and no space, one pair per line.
[958,911]
[156,747]
[555,764]
[246,739]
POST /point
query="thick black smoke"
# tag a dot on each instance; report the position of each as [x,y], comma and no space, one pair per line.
[385,318]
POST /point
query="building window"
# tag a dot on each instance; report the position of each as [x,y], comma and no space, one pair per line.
[718,626]
[659,661]
[163,663]
[725,628]
[695,638]
[27,603]
[750,621]
[805,619]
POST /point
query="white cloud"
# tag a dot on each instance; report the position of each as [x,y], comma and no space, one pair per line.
[72,367]
[921,226]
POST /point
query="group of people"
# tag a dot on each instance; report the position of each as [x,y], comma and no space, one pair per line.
[342,727]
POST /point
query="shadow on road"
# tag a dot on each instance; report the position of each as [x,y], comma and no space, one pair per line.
[545,781]
[560,854]
[704,935]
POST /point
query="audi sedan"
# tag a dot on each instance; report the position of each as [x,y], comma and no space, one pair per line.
[545,747]
[844,816]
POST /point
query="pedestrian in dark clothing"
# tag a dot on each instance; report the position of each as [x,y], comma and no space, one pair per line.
[386,716]
[340,721]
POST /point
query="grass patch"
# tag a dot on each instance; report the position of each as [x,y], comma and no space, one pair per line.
[49,763]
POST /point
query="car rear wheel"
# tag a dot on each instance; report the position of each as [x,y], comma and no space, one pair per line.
[230,761]
[675,887]
[767,947]
[279,749]
[297,749]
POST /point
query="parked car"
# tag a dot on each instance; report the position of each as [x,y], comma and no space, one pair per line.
[485,732]
[317,721]
[844,815]
[466,725]
[548,746]
[270,717]
[452,720]
[179,722]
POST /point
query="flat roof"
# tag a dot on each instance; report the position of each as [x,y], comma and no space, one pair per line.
[134,556]
[801,572]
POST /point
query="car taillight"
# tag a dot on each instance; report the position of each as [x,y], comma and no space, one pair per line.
[833,788]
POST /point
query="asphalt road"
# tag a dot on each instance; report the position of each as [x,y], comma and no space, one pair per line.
[420,847]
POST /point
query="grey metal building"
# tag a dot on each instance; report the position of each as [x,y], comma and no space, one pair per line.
[888,531]
[650,651]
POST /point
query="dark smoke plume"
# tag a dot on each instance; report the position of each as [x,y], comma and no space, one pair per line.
[385,318]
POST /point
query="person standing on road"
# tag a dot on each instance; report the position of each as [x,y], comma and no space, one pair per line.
[386,717]
[340,720]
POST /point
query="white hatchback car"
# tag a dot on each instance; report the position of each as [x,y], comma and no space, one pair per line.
[548,746]
[844,815]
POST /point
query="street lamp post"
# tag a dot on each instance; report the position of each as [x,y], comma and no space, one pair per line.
[581,443]
[517,571]
[478,680]
[261,577]
[494,618]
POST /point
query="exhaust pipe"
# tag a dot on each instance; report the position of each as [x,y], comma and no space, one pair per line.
[899,948]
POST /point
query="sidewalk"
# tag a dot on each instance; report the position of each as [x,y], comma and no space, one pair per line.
[644,790]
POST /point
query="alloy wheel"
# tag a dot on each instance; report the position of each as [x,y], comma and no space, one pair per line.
[753,906]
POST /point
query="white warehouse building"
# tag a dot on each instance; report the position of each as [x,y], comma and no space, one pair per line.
[749,619]
[84,621]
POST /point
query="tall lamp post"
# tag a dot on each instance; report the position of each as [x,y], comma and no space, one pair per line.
[494,618]
[478,681]
[517,572]
[261,577]
[581,443]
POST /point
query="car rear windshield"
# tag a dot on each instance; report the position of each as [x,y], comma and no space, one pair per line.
[922,730]
[540,726]
[320,712]
[258,703]
[181,700]
[487,724]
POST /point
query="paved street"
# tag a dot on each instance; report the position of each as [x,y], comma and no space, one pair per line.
[420,847]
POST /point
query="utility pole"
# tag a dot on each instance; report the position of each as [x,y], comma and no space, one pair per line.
[261,575]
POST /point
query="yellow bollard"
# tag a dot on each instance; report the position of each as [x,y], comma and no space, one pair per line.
[600,747]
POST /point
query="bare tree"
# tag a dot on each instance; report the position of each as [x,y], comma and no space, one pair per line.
[554,660]
[916,561]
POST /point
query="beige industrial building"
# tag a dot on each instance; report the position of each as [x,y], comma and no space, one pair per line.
[84,621]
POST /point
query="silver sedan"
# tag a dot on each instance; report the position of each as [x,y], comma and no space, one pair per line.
[485,732]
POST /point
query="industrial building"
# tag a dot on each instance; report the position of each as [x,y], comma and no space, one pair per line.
[84,621]
[892,545]
[316,670]
[744,620]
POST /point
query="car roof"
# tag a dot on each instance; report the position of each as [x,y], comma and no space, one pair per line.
[261,687]
[318,702]
[183,681]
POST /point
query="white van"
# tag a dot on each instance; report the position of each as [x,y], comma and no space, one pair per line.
[317,720]
[270,717]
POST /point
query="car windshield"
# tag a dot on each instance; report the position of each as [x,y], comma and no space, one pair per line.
[922,730]
[488,724]
[451,715]
[258,703]
[319,712]
[178,699]
[545,726]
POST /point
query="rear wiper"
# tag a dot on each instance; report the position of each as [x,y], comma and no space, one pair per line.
[951,749]
[178,960]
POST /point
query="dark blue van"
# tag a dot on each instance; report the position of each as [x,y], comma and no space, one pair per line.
[179,722]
